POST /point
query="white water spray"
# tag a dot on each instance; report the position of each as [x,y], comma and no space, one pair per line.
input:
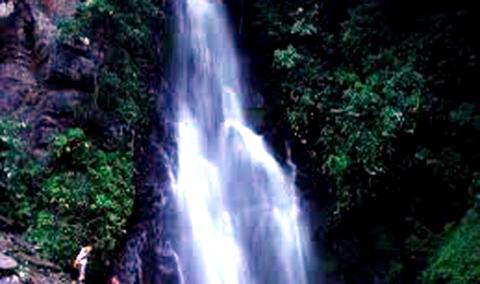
[239,218]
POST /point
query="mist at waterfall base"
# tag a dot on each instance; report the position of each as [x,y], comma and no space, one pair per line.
[239,221]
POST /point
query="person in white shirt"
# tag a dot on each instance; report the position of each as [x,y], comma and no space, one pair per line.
[81,261]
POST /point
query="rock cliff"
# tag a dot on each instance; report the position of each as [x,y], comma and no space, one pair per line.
[42,78]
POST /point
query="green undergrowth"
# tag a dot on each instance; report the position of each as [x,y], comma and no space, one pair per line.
[79,195]
[457,260]
[376,99]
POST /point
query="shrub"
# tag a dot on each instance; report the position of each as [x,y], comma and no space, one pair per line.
[350,107]
[86,198]
[18,173]
[80,195]
[457,260]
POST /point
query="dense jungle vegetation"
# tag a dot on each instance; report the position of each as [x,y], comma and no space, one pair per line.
[377,99]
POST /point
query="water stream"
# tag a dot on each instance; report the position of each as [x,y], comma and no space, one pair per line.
[239,219]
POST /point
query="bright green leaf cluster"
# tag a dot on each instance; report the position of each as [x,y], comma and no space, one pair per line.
[457,261]
[81,195]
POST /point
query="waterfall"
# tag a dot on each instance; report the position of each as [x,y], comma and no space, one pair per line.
[239,220]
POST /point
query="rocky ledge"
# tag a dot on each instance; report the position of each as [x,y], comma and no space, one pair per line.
[20,263]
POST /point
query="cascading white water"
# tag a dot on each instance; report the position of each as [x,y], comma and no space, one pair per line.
[239,218]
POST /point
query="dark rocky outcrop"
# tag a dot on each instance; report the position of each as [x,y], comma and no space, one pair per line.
[42,79]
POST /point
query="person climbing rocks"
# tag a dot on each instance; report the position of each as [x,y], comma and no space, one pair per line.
[81,261]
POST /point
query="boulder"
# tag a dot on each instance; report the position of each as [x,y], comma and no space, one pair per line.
[7,263]
[10,280]
[71,67]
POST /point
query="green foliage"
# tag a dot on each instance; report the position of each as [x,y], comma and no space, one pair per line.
[81,195]
[457,261]
[355,109]
[380,107]
[125,27]
[394,272]
[18,173]
[463,114]
[304,24]
[286,58]
[85,199]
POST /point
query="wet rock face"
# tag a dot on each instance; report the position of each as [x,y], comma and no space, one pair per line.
[41,79]
[71,68]
[16,46]
[148,256]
